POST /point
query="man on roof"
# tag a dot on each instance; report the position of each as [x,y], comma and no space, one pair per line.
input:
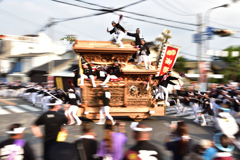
[119,32]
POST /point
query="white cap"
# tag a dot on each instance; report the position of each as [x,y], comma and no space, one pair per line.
[16,130]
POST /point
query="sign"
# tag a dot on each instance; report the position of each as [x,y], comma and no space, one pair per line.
[209,32]
[197,38]
[169,59]
[50,81]
[203,72]
[235,53]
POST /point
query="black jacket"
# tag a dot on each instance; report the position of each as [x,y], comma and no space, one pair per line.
[105,99]
[97,73]
[144,48]
[167,81]
[137,38]
[207,107]
[114,71]
[88,71]
[117,26]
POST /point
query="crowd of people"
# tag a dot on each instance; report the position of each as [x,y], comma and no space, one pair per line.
[220,102]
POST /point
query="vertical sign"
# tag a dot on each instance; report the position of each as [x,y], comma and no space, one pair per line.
[50,81]
[169,59]
[203,72]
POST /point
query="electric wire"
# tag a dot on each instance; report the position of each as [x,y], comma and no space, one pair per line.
[143,15]
[126,17]
[167,8]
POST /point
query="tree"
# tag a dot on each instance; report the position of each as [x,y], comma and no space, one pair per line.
[233,71]
[180,65]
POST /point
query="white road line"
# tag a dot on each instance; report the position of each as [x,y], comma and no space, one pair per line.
[3,111]
[15,109]
[190,117]
[171,112]
[30,108]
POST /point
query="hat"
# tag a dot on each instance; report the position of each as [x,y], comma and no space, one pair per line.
[85,63]
[54,102]
[217,141]
[70,90]
[115,61]
[113,22]
[223,107]
[135,126]
[138,29]
[16,130]
[169,72]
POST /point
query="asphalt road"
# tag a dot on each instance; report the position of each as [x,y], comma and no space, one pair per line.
[159,125]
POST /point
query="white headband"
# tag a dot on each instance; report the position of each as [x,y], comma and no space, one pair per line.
[58,102]
[16,130]
[134,127]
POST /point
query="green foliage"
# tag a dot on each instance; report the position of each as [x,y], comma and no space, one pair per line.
[180,65]
[233,71]
[71,39]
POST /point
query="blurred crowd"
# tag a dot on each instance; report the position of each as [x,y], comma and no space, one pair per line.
[220,104]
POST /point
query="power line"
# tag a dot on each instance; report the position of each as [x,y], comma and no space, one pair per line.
[126,17]
[224,25]
[19,18]
[159,24]
[164,19]
[166,7]
[176,8]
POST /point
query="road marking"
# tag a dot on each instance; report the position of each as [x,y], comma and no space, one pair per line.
[7,102]
[190,117]
[30,108]
[15,109]
[3,111]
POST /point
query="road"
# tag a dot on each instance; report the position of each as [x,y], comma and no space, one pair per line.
[17,110]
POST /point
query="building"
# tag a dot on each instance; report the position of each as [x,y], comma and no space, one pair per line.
[19,54]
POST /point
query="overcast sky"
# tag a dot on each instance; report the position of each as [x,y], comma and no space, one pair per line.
[19,17]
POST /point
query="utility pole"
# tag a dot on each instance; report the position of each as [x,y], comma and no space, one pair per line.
[51,61]
[199,44]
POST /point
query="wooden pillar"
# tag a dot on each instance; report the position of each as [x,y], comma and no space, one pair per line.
[125,92]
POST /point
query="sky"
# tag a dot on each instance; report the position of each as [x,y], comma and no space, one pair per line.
[21,17]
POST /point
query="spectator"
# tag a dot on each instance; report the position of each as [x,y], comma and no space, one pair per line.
[86,144]
[143,149]
[223,146]
[15,147]
[196,155]
[210,150]
[52,122]
[111,147]
[178,141]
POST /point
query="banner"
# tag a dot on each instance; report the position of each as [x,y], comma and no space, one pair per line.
[203,72]
[169,59]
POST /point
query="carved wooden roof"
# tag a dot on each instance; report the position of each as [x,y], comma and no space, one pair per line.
[102,46]
[103,51]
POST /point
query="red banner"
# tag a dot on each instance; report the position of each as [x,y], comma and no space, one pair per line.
[169,59]
[203,72]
